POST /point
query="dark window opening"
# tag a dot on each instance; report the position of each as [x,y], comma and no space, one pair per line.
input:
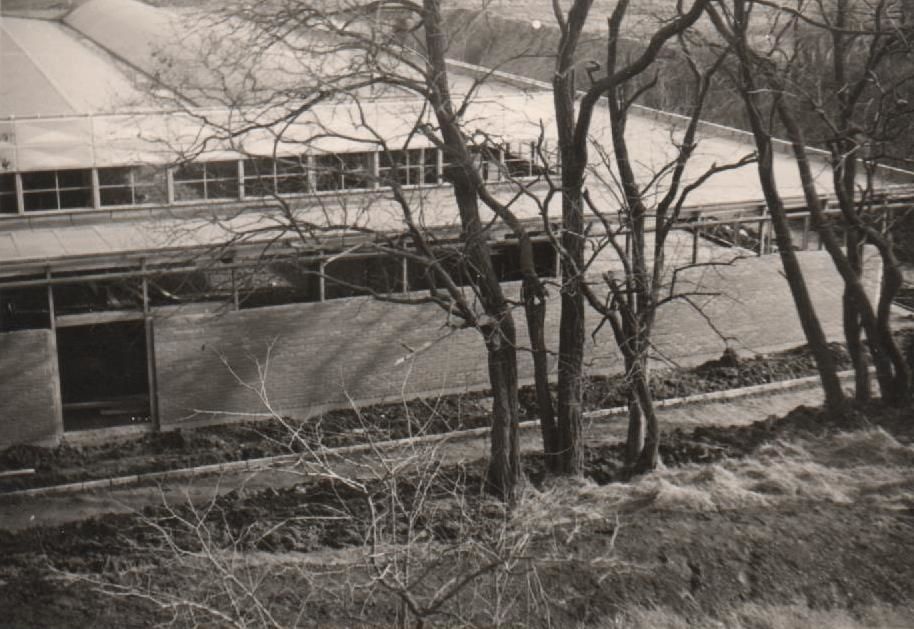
[206,180]
[361,275]
[57,190]
[24,308]
[103,375]
[279,283]
[132,185]
[98,296]
[265,176]
[408,168]
[9,203]
[172,289]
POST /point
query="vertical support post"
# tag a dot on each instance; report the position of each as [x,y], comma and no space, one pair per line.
[236,301]
[405,277]
[170,185]
[150,352]
[240,171]
[96,191]
[321,281]
[696,233]
[806,232]
[51,314]
[761,237]
[20,197]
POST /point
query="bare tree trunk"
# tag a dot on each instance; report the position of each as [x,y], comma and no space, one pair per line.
[499,331]
[749,92]
[852,327]
[535,310]
[504,459]
[650,453]
[634,442]
[571,342]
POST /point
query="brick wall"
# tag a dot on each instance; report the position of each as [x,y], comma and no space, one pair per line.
[210,367]
[30,410]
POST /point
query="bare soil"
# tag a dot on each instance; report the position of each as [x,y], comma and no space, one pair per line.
[251,440]
[696,562]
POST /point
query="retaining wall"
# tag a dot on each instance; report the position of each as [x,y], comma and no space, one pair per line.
[30,408]
[320,355]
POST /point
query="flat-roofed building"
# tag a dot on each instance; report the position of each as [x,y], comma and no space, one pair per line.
[149,276]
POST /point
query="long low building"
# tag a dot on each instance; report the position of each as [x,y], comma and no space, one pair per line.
[151,276]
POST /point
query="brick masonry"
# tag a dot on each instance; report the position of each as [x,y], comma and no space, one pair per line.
[321,355]
[30,410]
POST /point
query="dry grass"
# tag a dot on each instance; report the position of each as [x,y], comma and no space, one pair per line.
[866,465]
[753,616]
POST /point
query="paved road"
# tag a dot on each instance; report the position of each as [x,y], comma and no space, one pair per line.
[54,510]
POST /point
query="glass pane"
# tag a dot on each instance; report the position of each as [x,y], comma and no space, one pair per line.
[116,196]
[114,176]
[76,198]
[8,204]
[359,170]
[328,172]
[44,180]
[74,178]
[189,191]
[8,183]
[189,172]
[222,170]
[222,189]
[35,201]
[292,184]
[258,167]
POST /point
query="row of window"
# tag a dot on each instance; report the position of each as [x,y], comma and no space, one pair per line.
[271,284]
[250,178]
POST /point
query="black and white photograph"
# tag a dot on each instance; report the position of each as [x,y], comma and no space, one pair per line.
[560,314]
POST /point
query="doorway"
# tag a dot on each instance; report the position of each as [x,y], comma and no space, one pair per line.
[104,380]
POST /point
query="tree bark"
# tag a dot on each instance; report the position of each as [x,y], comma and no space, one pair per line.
[812,328]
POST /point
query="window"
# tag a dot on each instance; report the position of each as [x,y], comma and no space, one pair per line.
[206,180]
[344,171]
[405,167]
[519,160]
[175,288]
[98,296]
[277,283]
[24,308]
[506,260]
[9,204]
[264,176]
[57,189]
[131,185]
[360,275]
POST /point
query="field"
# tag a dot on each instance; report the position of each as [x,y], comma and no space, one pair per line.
[781,523]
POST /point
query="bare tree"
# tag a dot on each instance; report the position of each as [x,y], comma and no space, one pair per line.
[732,22]
[644,284]
[848,109]
[381,54]
[573,120]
